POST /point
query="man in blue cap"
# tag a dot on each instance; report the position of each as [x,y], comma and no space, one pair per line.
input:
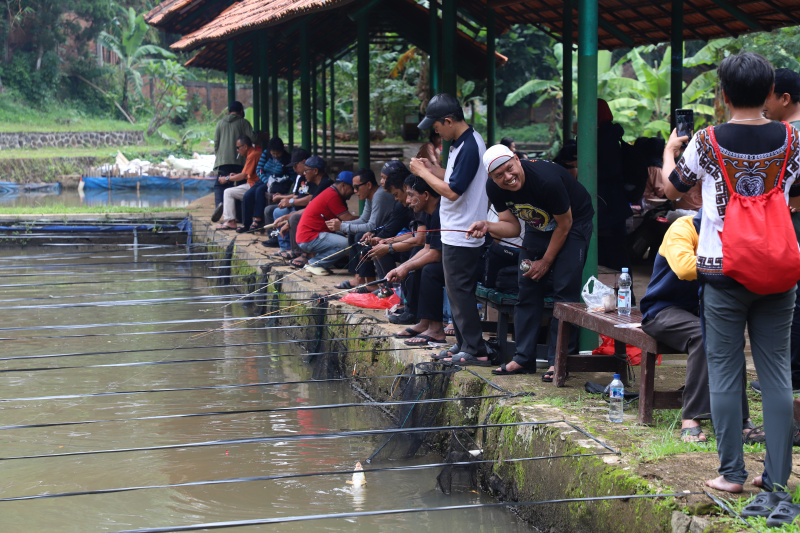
[313,235]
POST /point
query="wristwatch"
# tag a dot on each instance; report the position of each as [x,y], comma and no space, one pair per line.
[291,201]
[391,248]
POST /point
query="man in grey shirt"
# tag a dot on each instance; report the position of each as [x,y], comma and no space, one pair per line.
[378,205]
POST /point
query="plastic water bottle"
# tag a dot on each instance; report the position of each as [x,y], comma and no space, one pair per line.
[624,293]
[616,395]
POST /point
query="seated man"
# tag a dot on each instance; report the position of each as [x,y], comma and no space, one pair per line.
[670,309]
[377,208]
[283,204]
[247,176]
[271,172]
[313,234]
[428,261]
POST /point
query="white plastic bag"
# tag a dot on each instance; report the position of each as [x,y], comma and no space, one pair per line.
[593,293]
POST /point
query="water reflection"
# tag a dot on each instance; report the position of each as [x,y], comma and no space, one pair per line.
[72,198]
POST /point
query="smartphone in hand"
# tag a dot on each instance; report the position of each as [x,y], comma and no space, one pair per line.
[684,122]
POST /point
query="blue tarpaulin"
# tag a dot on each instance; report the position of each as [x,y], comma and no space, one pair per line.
[155,182]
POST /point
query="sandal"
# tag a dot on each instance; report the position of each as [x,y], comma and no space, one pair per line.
[345,285]
[504,372]
[784,513]
[547,377]
[299,261]
[225,227]
[693,434]
[421,340]
[765,503]
[752,433]
[409,333]
[447,353]
[286,254]
[466,359]
[449,330]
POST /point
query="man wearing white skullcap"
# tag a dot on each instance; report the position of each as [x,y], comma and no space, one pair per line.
[558,213]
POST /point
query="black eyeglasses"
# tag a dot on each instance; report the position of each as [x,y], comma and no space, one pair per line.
[356,186]
[240,146]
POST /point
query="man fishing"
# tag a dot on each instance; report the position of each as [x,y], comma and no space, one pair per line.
[558,213]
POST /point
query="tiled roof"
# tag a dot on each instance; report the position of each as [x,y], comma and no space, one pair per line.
[184,16]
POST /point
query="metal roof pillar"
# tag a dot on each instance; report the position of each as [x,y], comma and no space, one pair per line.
[491,87]
[257,87]
[290,105]
[323,94]
[566,76]
[314,107]
[275,95]
[231,73]
[265,71]
[448,81]
[363,91]
[305,89]
[333,112]
[433,53]
[587,121]
[676,64]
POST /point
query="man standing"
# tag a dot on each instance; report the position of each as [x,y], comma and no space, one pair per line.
[243,181]
[557,212]
[462,187]
[227,160]
[313,235]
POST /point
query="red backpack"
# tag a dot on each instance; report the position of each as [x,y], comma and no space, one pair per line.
[759,246]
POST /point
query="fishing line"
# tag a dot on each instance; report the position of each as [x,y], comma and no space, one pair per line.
[283,438]
[202,360]
[137,280]
[508,243]
[205,387]
[187,300]
[90,269]
[294,476]
[150,291]
[142,350]
[285,519]
[271,410]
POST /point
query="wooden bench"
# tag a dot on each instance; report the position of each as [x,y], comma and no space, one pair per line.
[575,314]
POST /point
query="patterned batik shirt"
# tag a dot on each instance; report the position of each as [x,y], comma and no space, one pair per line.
[753,157]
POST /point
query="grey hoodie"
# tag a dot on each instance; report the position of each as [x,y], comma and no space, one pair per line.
[230,128]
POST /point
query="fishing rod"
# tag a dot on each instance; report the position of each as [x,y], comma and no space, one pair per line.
[150,291]
[51,269]
[138,280]
[503,241]
[300,475]
[284,438]
[253,411]
[141,350]
[384,512]
[201,360]
[204,387]
[93,254]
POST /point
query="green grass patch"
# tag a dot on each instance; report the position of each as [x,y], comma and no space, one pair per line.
[59,209]
[532,133]
[139,150]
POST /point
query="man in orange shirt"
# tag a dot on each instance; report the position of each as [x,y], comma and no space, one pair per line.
[245,148]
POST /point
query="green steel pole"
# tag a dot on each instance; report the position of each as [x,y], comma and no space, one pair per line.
[676,66]
[314,106]
[324,94]
[290,105]
[491,87]
[566,76]
[363,92]
[231,73]
[266,72]
[448,81]
[587,126]
[275,99]
[433,53]
[333,112]
[257,87]
[305,90]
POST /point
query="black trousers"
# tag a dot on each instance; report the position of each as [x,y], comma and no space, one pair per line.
[564,278]
[431,292]
[681,329]
[461,269]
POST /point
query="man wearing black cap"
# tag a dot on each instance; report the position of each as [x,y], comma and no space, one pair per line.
[286,203]
[227,161]
[462,187]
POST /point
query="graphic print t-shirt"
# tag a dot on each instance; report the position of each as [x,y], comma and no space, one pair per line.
[548,190]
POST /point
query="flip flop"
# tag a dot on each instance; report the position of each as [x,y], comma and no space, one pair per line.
[424,340]
[450,332]
[547,377]
[225,227]
[299,262]
[466,359]
[504,372]
[344,285]
[446,353]
[784,513]
[286,254]
[411,334]
[765,503]
[694,431]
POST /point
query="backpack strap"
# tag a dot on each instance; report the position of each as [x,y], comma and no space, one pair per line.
[721,163]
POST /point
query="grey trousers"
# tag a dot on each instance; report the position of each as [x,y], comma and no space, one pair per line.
[768,318]
[680,329]
[461,279]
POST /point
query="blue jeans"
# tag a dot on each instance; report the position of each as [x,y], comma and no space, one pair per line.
[283,242]
[325,248]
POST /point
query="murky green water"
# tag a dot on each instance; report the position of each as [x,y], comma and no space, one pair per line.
[31,395]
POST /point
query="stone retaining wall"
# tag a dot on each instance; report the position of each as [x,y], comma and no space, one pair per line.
[66,139]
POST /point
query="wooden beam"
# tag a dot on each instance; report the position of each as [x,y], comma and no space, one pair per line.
[494,4]
[740,15]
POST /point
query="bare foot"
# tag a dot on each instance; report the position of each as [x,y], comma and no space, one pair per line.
[758,482]
[721,483]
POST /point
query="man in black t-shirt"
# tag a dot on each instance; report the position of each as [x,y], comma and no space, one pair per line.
[558,213]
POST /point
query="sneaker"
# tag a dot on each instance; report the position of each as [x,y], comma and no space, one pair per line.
[217,214]
[317,271]
[271,243]
[405,318]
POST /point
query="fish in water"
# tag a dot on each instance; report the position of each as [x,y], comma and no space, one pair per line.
[358,476]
